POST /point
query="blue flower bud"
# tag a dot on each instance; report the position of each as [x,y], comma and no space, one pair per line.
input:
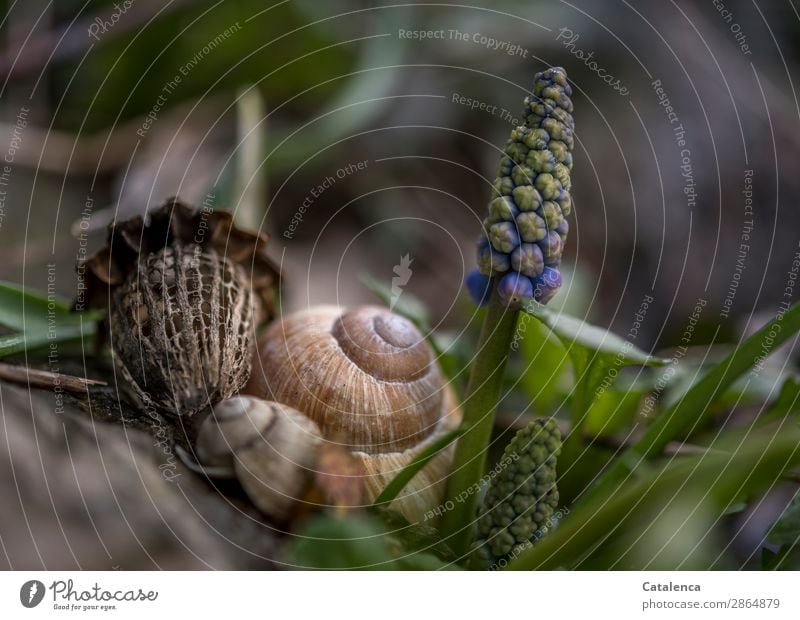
[491,262]
[551,248]
[563,231]
[528,260]
[546,285]
[479,287]
[513,286]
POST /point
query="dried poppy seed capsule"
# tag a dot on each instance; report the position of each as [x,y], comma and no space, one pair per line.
[184,292]
[531,197]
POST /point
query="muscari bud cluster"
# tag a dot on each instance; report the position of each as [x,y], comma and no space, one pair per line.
[521,499]
[526,227]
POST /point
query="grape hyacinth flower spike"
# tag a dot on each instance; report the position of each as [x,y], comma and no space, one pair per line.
[526,227]
[519,254]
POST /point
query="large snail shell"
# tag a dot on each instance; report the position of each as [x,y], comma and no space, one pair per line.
[369,379]
[270,447]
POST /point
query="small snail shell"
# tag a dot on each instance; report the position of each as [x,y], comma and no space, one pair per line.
[369,379]
[270,447]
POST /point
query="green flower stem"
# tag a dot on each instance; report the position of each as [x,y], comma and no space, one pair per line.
[483,391]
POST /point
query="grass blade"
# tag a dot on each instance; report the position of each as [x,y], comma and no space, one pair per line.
[405,475]
[689,411]
[751,468]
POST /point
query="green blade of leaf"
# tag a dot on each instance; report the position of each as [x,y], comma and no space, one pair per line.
[786,530]
[573,331]
[17,343]
[39,320]
[23,309]
[689,411]
[9,345]
[594,353]
[544,376]
[787,403]
[359,542]
[723,477]
[405,475]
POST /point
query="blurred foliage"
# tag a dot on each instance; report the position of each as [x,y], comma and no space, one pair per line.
[124,79]
[365,542]
[36,321]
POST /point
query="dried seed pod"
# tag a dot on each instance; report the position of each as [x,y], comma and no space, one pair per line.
[271,448]
[370,380]
[184,292]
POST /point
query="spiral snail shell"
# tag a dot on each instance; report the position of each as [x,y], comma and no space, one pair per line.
[269,447]
[369,380]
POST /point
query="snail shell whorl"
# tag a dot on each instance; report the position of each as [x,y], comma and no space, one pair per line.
[366,376]
[269,447]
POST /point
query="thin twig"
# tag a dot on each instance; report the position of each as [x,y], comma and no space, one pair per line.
[46,379]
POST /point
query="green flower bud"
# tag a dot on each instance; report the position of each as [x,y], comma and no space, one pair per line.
[537,139]
[503,186]
[491,262]
[517,151]
[522,175]
[561,173]
[504,237]
[525,225]
[505,167]
[552,214]
[503,208]
[549,187]
[527,197]
[521,499]
[541,161]
[528,260]
[559,150]
[532,227]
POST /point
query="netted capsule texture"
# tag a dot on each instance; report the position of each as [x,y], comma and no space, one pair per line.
[525,228]
[522,497]
[182,329]
[184,290]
